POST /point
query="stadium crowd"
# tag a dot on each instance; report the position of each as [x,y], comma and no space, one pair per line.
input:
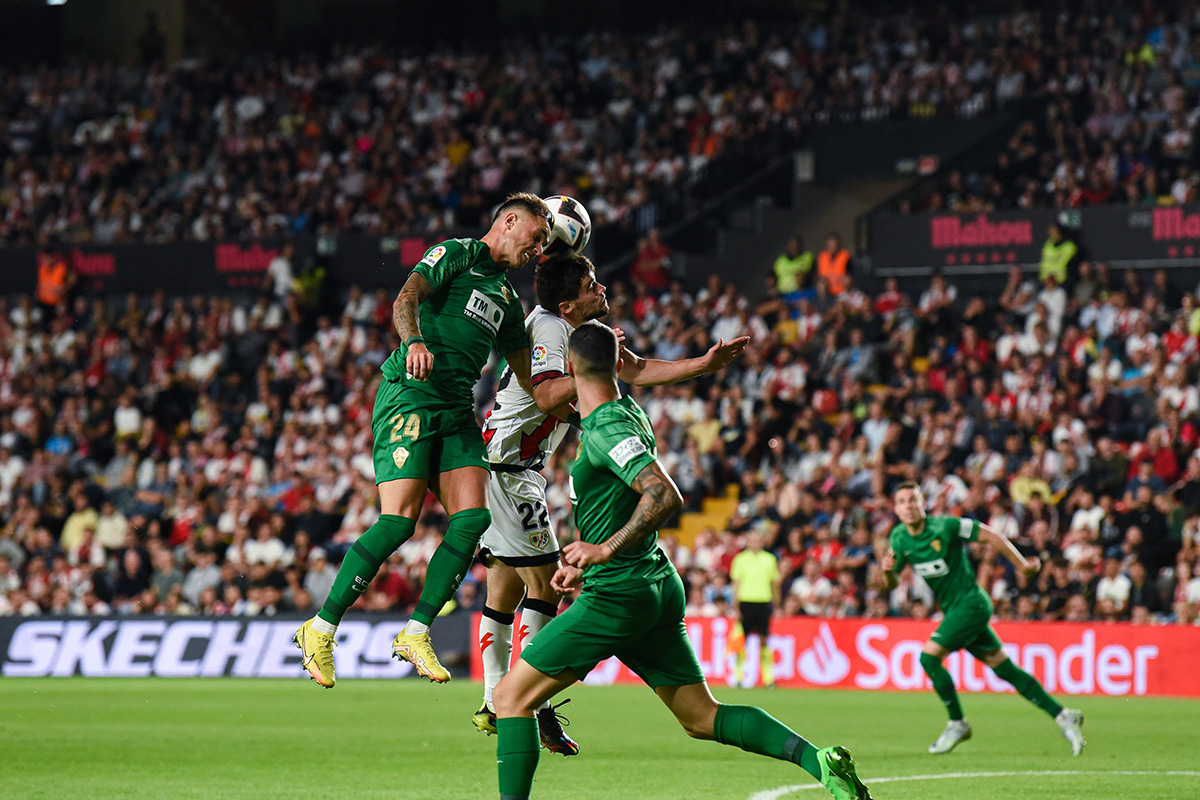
[636,126]
[1113,99]
[200,455]
[188,455]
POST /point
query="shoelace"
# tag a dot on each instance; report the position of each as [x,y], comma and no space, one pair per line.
[560,718]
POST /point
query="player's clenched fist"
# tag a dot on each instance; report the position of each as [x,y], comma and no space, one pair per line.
[419,362]
[566,579]
[582,554]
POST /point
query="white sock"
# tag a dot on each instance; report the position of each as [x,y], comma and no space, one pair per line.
[534,616]
[495,646]
[321,626]
[414,628]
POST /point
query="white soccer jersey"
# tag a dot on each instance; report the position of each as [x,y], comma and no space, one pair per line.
[517,432]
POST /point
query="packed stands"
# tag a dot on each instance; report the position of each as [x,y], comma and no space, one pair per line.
[211,454]
[1112,115]
[199,455]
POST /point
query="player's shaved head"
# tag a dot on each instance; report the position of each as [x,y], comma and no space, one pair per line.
[526,201]
[594,350]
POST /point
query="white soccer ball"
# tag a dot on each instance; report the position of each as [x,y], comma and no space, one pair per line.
[572,225]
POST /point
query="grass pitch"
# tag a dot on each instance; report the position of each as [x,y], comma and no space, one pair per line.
[375,739]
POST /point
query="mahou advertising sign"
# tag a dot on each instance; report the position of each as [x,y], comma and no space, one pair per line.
[1068,658]
[978,242]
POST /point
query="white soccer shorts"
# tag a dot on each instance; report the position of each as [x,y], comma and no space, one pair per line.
[521,533]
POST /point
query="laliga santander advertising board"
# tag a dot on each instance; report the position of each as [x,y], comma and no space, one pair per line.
[1068,658]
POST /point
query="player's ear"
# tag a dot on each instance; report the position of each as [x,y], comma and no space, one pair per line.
[570,368]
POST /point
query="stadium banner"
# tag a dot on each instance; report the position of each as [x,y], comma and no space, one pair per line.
[1069,658]
[185,268]
[962,243]
[190,647]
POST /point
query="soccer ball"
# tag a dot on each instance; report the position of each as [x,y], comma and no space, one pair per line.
[572,226]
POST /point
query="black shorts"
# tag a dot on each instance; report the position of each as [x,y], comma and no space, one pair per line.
[756,618]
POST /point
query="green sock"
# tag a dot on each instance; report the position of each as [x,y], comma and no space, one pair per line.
[1028,686]
[756,731]
[943,684]
[362,561]
[517,748]
[450,562]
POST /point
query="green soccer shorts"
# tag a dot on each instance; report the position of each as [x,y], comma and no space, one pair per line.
[966,625]
[640,625]
[415,441]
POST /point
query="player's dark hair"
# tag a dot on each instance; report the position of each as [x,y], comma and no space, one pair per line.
[906,485]
[594,350]
[558,280]
[529,202]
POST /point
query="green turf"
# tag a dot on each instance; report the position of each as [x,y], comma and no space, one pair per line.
[164,738]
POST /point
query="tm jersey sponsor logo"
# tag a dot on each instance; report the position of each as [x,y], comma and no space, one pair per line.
[931,569]
[484,311]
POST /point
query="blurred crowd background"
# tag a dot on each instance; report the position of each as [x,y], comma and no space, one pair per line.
[205,455]
[210,454]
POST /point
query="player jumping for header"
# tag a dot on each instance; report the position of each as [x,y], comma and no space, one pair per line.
[454,308]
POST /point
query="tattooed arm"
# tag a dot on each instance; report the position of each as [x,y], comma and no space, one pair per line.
[660,499]
[405,316]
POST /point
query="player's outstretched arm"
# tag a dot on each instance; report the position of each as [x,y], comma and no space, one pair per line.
[405,316]
[653,372]
[1006,548]
[660,499]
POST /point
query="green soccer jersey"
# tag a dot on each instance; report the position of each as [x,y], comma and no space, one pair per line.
[939,555]
[473,308]
[616,444]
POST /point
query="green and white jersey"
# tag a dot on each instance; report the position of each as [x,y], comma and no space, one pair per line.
[473,308]
[939,555]
[616,444]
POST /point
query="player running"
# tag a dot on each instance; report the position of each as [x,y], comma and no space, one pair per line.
[633,599]
[520,548]
[455,306]
[936,549]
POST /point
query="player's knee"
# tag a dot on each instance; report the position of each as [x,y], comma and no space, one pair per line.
[467,527]
[502,699]
[472,520]
[508,702]
[929,663]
